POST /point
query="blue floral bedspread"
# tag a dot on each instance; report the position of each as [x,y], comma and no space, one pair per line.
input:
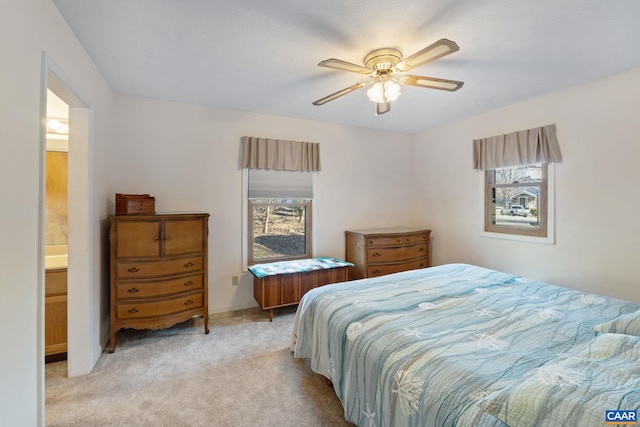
[450,345]
[296,266]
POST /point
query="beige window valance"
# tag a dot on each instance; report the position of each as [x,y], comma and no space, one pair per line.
[265,153]
[539,145]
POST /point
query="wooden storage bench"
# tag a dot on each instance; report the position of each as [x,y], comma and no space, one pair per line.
[280,284]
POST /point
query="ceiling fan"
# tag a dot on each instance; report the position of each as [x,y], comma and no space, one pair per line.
[387,67]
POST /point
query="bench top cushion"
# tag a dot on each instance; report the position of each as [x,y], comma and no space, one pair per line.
[296,266]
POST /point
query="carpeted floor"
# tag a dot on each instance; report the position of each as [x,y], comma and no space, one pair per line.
[241,374]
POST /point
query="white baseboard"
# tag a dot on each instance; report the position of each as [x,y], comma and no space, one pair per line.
[218,310]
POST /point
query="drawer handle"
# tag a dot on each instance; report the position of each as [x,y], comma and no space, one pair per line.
[133,290]
[188,302]
[189,264]
[398,241]
[421,264]
[376,255]
[421,250]
[133,310]
[377,271]
[189,283]
[371,242]
[133,270]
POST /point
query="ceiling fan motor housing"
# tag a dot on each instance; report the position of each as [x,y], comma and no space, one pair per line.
[382,59]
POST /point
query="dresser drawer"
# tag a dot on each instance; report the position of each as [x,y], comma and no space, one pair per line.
[379,270]
[384,240]
[416,238]
[136,270]
[154,288]
[163,307]
[382,255]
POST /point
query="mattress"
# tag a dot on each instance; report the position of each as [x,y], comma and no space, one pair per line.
[462,345]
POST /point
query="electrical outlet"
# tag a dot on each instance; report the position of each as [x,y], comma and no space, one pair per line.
[234,280]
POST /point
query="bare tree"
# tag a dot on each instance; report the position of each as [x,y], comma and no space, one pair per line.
[265,228]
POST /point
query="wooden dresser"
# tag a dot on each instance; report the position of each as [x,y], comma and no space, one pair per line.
[380,251]
[158,270]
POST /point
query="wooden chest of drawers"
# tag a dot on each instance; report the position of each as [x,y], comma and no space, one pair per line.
[158,270]
[380,251]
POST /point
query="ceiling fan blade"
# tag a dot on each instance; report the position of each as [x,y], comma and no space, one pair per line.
[430,53]
[339,93]
[338,64]
[431,83]
[382,107]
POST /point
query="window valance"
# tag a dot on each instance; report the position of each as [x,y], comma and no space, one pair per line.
[265,153]
[538,145]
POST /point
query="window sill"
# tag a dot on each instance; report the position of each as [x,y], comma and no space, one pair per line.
[549,240]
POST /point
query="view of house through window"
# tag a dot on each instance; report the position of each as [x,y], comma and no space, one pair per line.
[516,200]
[279,229]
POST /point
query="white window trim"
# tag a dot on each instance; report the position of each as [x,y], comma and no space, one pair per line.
[551,224]
[245,215]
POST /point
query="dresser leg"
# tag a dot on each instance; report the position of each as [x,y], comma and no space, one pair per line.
[206,323]
[271,315]
[113,341]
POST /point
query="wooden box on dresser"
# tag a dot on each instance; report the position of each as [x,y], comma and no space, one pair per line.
[379,251]
[158,270]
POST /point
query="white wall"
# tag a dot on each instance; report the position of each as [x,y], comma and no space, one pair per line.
[597,208]
[27,28]
[187,157]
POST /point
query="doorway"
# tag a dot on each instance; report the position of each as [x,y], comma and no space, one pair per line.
[81,336]
[56,228]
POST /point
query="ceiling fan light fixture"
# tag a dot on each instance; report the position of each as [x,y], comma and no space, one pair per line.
[383,90]
[391,90]
[376,92]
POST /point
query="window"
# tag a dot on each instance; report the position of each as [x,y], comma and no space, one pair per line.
[519,183]
[279,215]
[279,229]
[517,200]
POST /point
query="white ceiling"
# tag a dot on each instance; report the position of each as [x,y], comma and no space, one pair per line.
[261,55]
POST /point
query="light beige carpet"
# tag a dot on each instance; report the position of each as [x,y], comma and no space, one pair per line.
[241,374]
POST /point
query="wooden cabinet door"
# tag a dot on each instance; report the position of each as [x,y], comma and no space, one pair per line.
[138,238]
[183,236]
[55,324]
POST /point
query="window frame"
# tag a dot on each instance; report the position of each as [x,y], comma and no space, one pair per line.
[546,201]
[245,215]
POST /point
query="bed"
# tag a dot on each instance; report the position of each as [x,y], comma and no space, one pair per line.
[461,345]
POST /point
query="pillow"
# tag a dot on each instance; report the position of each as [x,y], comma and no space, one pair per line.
[628,324]
[576,389]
